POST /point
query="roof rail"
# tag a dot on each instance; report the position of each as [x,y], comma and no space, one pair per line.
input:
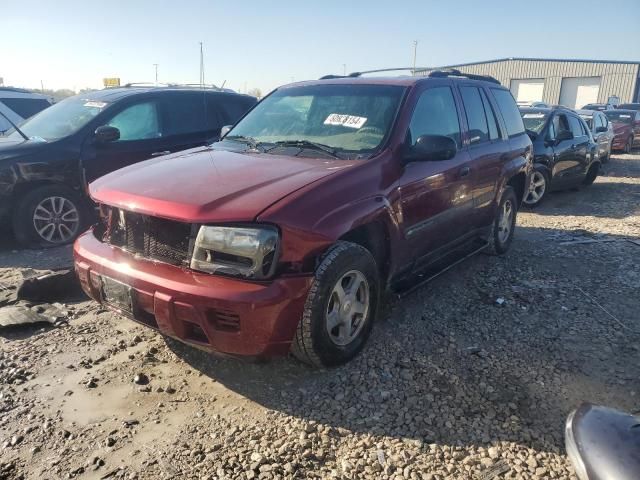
[457,73]
[209,86]
[364,72]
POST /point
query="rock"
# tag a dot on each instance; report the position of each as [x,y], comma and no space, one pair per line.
[16,439]
[141,379]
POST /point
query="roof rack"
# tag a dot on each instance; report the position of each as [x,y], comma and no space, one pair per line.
[457,73]
[209,86]
[364,72]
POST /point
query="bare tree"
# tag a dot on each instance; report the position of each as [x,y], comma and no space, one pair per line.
[255,92]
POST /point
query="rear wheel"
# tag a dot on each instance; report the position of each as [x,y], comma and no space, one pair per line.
[537,188]
[592,174]
[504,223]
[48,216]
[340,307]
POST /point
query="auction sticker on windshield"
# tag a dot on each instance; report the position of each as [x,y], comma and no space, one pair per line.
[533,115]
[350,121]
[95,104]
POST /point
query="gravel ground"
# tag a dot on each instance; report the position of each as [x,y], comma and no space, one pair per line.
[469,377]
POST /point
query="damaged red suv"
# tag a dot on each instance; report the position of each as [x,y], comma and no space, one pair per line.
[282,236]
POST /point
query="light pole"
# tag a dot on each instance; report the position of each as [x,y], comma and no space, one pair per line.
[344,69]
[201,67]
[415,51]
[156,67]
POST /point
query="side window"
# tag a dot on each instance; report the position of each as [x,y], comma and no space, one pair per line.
[137,122]
[435,114]
[509,109]
[185,113]
[597,122]
[561,124]
[494,129]
[552,128]
[476,118]
[576,126]
[234,108]
[215,117]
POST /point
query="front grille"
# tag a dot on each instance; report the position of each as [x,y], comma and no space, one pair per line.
[150,237]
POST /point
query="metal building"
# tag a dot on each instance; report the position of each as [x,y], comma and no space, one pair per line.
[572,83]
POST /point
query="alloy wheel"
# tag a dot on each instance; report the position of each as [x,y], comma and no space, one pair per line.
[56,219]
[347,308]
[536,189]
[505,222]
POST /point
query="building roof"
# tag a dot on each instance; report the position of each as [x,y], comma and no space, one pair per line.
[531,59]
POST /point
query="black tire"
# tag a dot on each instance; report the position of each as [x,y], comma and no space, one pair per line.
[24,227]
[607,157]
[628,146]
[497,244]
[592,174]
[547,183]
[313,342]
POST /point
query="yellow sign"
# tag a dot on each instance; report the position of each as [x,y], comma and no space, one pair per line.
[111,82]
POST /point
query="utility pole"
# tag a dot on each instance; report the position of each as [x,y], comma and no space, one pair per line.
[201,67]
[156,65]
[415,52]
[344,69]
[41,86]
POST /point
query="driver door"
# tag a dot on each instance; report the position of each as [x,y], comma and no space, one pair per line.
[140,138]
[436,196]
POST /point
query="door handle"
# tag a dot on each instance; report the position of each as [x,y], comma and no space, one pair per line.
[464,171]
[157,154]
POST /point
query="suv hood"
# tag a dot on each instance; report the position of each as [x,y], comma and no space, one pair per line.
[207,185]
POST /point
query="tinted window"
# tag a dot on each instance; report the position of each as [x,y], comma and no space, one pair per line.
[476,118]
[494,129]
[185,113]
[234,107]
[26,107]
[560,124]
[435,114]
[509,109]
[137,122]
[216,118]
[576,126]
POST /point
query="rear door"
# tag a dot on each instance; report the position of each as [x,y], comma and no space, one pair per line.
[580,147]
[601,137]
[141,137]
[487,148]
[436,196]
[563,151]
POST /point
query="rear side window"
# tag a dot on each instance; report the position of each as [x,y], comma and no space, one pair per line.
[476,118]
[435,114]
[509,109]
[185,114]
[494,129]
[26,107]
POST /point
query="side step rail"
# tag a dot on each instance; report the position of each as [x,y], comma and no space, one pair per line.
[432,274]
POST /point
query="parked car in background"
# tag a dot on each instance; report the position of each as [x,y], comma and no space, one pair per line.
[533,104]
[629,106]
[626,129]
[565,153]
[282,236]
[598,106]
[17,104]
[47,163]
[601,130]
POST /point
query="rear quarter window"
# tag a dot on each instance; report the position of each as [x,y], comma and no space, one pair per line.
[26,107]
[509,109]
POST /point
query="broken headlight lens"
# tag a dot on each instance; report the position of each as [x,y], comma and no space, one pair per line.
[237,251]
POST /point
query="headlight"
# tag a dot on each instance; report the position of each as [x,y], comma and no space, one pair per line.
[237,251]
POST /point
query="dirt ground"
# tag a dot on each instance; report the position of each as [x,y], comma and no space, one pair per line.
[468,377]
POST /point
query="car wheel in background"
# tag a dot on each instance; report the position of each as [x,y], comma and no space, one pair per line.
[592,174]
[340,307]
[504,223]
[48,216]
[537,188]
[628,146]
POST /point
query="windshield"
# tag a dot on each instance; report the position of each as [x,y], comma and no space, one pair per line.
[534,122]
[620,117]
[350,119]
[60,120]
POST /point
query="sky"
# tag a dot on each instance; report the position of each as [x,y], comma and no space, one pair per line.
[249,44]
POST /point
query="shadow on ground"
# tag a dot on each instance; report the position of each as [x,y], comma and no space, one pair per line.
[447,364]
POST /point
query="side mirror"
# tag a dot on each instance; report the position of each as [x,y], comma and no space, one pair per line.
[107,133]
[601,129]
[564,135]
[429,148]
[224,130]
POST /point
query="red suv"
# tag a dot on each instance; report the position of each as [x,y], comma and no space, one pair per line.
[282,236]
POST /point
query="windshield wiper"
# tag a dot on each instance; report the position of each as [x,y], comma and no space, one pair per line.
[252,142]
[307,144]
[15,126]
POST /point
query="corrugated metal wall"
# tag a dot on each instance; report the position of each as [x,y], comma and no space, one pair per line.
[616,78]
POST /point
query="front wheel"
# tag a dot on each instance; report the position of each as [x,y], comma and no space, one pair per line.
[48,216]
[592,174]
[504,223]
[340,307]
